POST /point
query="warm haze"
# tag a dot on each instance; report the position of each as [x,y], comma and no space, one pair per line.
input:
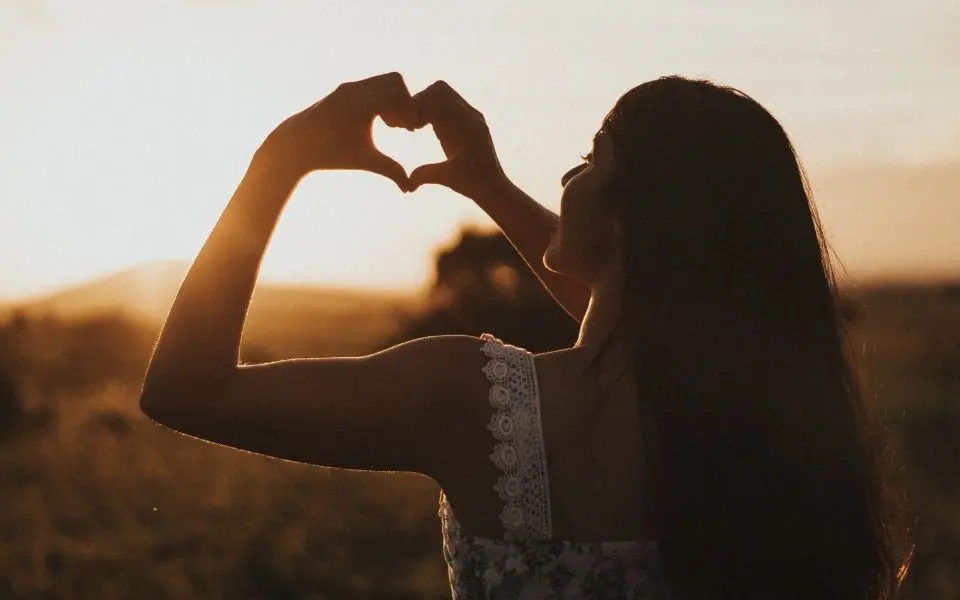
[123,131]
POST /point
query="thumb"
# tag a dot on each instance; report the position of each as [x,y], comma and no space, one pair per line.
[382,164]
[429,173]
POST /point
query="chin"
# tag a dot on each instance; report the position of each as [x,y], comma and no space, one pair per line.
[556,264]
[556,261]
[550,258]
[551,268]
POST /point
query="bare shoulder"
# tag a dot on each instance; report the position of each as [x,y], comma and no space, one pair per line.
[442,359]
[449,368]
[435,346]
[446,370]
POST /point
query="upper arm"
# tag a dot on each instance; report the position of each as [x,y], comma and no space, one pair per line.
[383,411]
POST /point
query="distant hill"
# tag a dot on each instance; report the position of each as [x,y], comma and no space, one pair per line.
[287,320]
[147,291]
[144,292]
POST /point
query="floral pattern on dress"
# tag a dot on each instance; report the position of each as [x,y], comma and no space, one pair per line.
[528,564]
[482,568]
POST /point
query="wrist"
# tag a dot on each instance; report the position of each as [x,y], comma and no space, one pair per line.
[270,163]
[493,190]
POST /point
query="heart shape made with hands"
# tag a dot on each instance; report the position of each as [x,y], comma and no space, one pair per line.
[409,148]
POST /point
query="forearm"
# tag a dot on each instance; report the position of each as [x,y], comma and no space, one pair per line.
[529,227]
[200,339]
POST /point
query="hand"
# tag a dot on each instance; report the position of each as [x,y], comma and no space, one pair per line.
[472,166]
[335,133]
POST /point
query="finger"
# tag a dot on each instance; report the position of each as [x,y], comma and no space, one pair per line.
[433,103]
[443,95]
[447,91]
[420,102]
[385,95]
[439,102]
[390,78]
[429,173]
[381,164]
[395,105]
[397,109]
[440,109]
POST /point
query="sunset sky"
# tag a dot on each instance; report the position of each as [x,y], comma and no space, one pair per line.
[125,126]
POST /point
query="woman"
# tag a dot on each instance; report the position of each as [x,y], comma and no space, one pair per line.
[704,437]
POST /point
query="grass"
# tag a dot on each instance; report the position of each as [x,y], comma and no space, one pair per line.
[99,502]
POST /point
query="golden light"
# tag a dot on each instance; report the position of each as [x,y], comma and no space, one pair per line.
[123,131]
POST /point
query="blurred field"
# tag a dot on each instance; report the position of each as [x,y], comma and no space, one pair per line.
[101,503]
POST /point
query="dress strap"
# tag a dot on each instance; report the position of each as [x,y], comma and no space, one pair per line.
[520,451]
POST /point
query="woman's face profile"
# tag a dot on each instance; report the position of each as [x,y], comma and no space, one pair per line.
[582,244]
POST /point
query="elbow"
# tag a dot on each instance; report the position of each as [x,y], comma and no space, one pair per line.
[155,403]
[173,408]
[156,391]
[162,398]
[175,403]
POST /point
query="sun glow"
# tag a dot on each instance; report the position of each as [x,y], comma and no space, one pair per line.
[124,131]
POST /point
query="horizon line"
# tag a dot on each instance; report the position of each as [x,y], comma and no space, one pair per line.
[889,277]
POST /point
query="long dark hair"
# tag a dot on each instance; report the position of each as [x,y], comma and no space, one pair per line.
[763,469]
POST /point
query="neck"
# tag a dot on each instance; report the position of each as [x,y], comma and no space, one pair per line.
[600,320]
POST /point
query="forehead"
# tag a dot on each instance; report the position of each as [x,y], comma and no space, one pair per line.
[602,144]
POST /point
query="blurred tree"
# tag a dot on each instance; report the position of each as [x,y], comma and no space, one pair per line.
[482,285]
[11,405]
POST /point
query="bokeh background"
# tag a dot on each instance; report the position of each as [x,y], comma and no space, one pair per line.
[125,127]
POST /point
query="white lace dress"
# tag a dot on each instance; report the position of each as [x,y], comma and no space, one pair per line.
[527,564]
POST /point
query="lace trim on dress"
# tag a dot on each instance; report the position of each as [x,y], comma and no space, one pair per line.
[520,451]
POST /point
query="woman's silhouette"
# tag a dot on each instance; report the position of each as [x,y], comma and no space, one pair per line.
[703,439]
